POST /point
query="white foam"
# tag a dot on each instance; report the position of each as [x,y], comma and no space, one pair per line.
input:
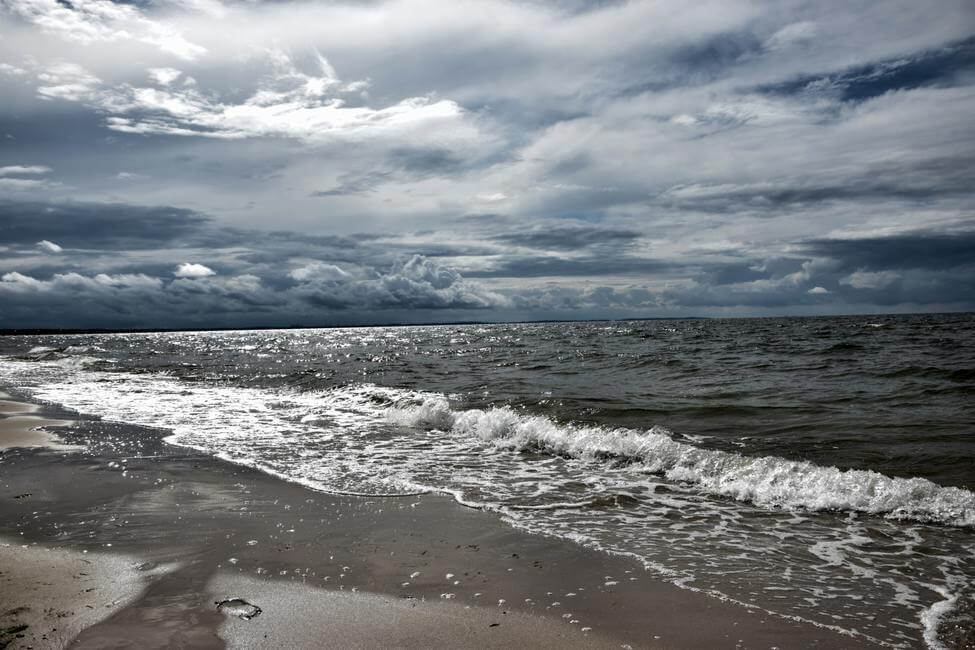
[82,349]
[767,481]
[80,362]
[932,616]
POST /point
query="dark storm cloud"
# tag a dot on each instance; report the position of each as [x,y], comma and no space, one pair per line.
[698,296]
[915,181]
[286,238]
[709,57]
[124,239]
[697,63]
[318,291]
[942,66]
[535,267]
[522,114]
[918,250]
[905,269]
[113,226]
[131,301]
[588,203]
[774,199]
[31,134]
[568,239]
[578,6]
[417,283]
[735,273]
[401,164]
[268,250]
[423,162]
[572,164]
[436,250]
[356,184]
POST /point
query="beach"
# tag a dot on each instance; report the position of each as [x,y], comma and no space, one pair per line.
[164,534]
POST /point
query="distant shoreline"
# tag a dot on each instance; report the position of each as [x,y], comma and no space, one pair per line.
[47,331]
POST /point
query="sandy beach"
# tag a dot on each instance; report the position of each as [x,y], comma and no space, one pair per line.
[160,535]
[20,428]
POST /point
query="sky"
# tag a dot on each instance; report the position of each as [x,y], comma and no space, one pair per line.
[238,163]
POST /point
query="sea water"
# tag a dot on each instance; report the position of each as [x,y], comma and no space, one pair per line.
[814,468]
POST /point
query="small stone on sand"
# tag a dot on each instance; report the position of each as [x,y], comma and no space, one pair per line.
[238,607]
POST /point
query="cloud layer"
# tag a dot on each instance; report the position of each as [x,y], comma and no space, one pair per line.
[483,160]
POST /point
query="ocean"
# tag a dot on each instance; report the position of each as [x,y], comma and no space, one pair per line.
[820,469]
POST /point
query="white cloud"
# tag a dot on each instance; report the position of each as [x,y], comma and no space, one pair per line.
[189,113]
[870,279]
[164,76]
[319,271]
[492,197]
[6,68]
[8,184]
[287,103]
[19,170]
[128,281]
[415,283]
[791,35]
[89,21]
[20,184]
[424,283]
[19,283]
[192,270]
[67,81]
[818,291]
[752,111]
[49,246]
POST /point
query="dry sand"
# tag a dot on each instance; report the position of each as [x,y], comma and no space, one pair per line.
[48,596]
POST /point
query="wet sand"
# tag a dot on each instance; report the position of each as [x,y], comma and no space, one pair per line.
[332,571]
[48,596]
[18,430]
[10,407]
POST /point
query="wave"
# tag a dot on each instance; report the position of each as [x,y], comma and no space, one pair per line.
[81,362]
[765,481]
[71,355]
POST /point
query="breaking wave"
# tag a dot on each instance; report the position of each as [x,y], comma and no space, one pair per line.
[766,481]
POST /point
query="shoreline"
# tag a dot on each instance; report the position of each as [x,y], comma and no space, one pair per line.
[219,529]
[21,427]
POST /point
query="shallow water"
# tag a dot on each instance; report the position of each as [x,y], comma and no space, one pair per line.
[818,468]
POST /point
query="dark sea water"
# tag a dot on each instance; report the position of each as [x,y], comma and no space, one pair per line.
[817,468]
